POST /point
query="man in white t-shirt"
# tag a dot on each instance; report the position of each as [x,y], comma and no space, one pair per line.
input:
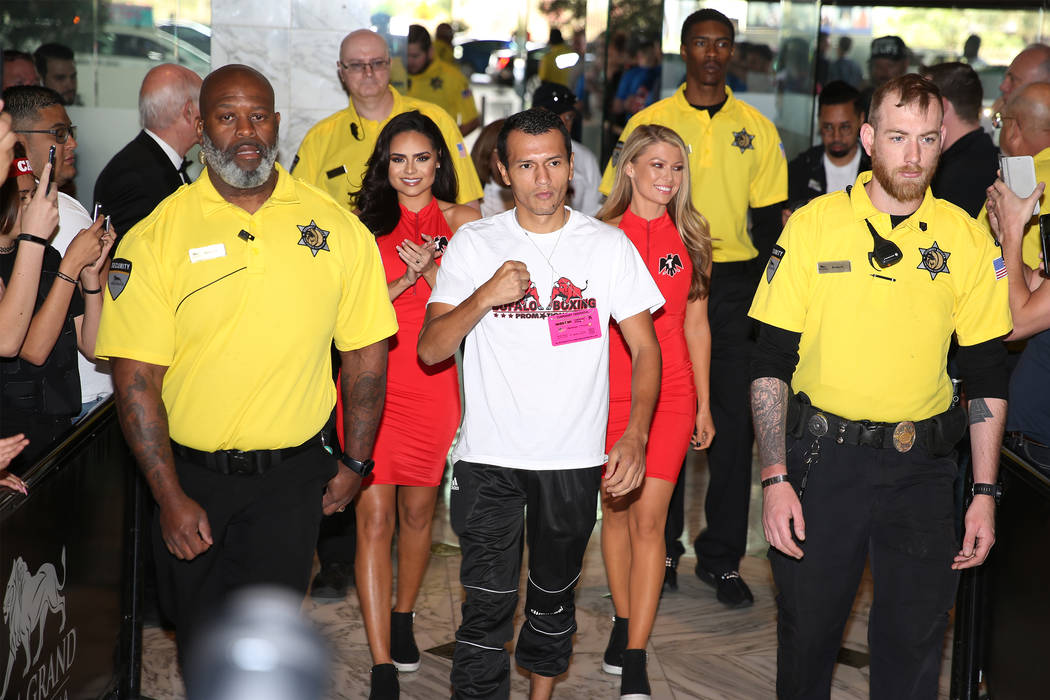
[532,291]
[834,163]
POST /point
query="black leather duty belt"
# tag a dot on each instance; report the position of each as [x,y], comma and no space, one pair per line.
[247,463]
[938,434]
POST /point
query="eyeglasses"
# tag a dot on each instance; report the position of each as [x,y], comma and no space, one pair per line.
[376,64]
[61,133]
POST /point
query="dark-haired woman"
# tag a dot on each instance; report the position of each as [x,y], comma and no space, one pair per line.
[407,200]
[650,201]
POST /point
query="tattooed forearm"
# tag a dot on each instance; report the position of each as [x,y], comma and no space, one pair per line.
[144,421]
[979,411]
[364,393]
[769,408]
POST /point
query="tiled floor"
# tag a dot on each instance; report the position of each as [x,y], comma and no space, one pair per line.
[698,649]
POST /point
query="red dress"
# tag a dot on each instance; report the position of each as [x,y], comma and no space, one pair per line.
[668,262]
[422,407]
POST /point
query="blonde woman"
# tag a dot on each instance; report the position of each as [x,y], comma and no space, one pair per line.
[650,201]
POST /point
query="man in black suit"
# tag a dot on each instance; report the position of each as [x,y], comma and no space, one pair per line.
[152,166]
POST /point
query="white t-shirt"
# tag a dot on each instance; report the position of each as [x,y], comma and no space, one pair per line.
[528,403]
[839,177]
[95,379]
[586,177]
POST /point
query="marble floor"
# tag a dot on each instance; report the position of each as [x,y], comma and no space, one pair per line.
[698,649]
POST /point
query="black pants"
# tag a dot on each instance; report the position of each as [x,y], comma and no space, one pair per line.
[490,509]
[264,529]
[897,509]
[722,544]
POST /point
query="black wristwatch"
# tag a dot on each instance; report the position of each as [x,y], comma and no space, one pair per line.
[362,469]
[993,490]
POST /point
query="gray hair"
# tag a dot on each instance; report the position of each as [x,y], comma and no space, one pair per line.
[159,106]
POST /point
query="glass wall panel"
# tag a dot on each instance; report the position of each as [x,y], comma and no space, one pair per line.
[114,44]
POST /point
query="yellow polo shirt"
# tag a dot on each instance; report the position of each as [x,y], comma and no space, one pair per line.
[443,52]
[876,347]
[549,71]
[444,85]
[245,322]
[736,160]
[333,158]
[1031,246]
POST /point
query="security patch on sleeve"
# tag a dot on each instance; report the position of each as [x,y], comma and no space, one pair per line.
[119,274]
[616,153]
[774,262]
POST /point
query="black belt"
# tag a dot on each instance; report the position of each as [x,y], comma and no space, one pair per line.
[246,462]
[937,434]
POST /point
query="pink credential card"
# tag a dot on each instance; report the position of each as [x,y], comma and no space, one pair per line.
[574,326]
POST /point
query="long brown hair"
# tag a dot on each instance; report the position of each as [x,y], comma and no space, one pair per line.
[691,224]
[481,154]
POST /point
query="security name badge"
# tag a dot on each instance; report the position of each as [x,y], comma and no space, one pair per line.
[774,262]
[208,252]
[831,266]
[336,172]
[574,326]
[119,274]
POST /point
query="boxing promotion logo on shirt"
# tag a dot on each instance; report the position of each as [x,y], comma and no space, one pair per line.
[565,296]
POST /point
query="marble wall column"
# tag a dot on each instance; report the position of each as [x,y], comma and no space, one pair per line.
[294,43]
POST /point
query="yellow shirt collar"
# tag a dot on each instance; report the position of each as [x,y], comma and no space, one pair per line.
[864,209]
[212,201]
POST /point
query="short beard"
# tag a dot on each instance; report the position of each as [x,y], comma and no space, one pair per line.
[222,163]
[901,190]
[838,150]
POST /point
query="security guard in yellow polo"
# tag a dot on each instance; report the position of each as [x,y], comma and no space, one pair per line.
[221,310]
[433,80]
[858,304]
[737,162]
[335,152]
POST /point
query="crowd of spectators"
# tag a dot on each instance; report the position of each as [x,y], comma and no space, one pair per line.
[396,158]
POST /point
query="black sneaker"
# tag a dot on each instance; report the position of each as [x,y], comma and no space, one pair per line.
[731,589]
[403,649]
[331,581]
[634,683]
[384,683]
[612,661]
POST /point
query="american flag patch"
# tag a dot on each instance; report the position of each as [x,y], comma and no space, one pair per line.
[462,149]
[466,93]
[1000,267]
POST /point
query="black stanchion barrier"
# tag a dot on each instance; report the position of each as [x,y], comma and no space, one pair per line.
[69,552]
[1017,608]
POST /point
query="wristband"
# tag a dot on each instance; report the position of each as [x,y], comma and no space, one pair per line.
[31,238]
[774,480]
[64,276]
[91,291]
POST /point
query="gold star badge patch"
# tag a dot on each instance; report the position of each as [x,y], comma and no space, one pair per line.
[313,237]
[743,140]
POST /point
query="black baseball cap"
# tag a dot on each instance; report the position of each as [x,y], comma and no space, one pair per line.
[889,47]
[554,97]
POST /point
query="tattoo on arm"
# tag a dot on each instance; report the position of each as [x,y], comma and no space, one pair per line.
[979,411]
[145,424]
[364,392]
[769,408]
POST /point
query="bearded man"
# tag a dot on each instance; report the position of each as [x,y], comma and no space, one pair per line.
[221,310]
[857,308]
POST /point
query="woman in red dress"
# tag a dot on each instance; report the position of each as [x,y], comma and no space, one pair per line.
[650,200]
[407,200]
